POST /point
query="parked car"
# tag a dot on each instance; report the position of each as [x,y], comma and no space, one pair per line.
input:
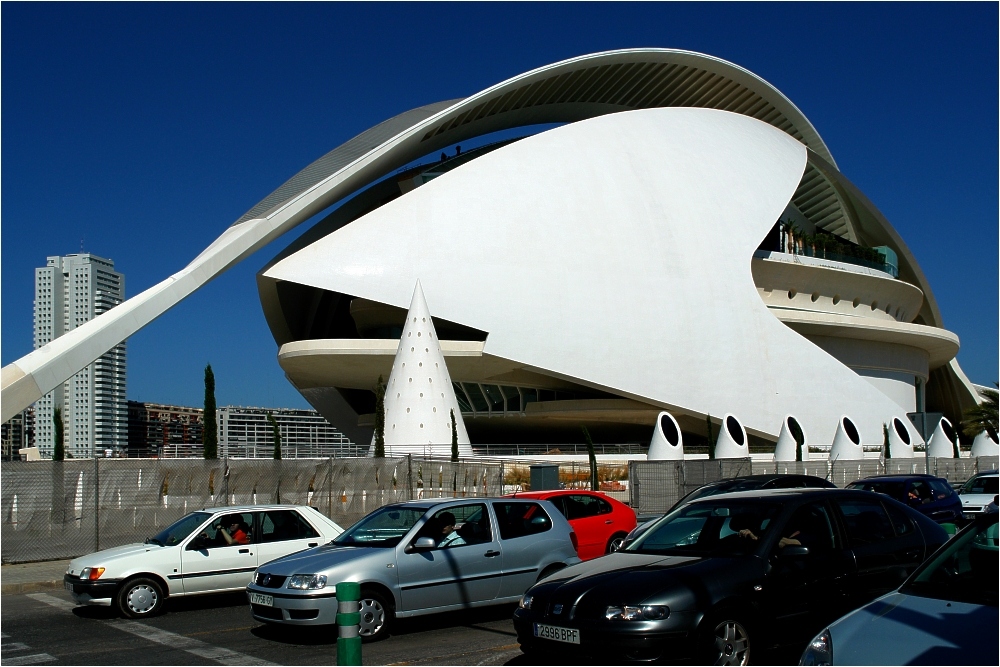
[944,614]
[979,492]
[419,557]
[724,575]
[210,551]
[736,484]
[931,496]
[600,522]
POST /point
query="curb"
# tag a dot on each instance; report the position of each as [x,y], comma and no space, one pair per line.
[30,587]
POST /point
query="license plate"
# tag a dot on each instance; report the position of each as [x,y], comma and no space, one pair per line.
[68,586]
[265,600]
[554,633]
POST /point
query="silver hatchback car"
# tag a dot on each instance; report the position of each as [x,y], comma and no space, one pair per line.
[419,557]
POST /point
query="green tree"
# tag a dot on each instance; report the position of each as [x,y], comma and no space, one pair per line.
[594,484]
[210,433]
[454,437]
[982,417]
[276,435]
[711,440]
[59,446]
[886,450]
[380,419]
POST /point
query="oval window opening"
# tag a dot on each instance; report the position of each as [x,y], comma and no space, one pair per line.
[734,430]
[852,431]
[901,431]
[669,430]
[796,431]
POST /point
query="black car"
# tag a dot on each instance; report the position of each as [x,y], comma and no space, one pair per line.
[726,573]
[931,496]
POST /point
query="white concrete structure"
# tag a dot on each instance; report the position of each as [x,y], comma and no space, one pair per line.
[984,445]
[69,292]
[900,442]
[941,444]
[545,257]
[419,398]
[668,442]
[246,432]
[732,442]
[786,447]
[846,442]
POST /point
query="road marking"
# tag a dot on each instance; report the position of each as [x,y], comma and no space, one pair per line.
[35,659]
[223,656]
[14,646]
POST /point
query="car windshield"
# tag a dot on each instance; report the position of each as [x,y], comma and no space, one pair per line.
[989,485]
[708,528]
[179,529]
[891,489]
[384,527]
[965,571]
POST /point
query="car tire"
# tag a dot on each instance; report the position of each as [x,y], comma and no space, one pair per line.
[376,616]
[616,542]
[140,597]
[724,639]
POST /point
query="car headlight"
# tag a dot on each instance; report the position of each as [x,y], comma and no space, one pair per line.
[525,602]
[636,613]
[819,651]
[307,581]
[91,573]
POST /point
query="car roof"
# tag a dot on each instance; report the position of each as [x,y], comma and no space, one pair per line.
[551,492]
[235,509]
[897,478]
[784,494]
[762,478]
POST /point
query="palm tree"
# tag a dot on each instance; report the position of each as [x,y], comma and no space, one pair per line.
[982,417]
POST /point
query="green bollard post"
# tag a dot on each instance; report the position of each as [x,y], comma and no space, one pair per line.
[348,623]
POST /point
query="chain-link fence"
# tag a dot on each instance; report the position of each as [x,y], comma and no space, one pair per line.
[654,486]
[65,509]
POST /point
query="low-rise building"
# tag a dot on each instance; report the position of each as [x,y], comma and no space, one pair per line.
[247,433]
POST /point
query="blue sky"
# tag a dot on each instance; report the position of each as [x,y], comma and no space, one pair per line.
[144,130]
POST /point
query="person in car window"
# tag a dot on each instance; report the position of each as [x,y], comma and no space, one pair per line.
[233,530]
[449,536]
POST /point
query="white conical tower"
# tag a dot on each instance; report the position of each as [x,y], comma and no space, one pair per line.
[984,445]
[785,448]
[667,443]
[846,442]
[419,397]
[942,442]
[900,442]
[732,440]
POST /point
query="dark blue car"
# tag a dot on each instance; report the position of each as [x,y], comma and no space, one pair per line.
[931,496]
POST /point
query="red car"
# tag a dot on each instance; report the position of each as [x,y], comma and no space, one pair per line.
[600,523]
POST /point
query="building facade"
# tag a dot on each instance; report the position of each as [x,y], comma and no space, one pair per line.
[17,432]
[70,291]
[247,433]
[164,431]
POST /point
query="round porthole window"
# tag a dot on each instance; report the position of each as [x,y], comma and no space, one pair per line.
[852,431]
[735,431]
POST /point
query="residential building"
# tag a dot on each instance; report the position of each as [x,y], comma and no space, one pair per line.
[17,432]
[164,431]
[247,433]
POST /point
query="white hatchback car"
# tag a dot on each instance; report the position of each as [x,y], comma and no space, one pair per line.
[210,551]
[979,492]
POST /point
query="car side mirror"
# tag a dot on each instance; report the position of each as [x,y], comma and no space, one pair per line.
[423,544]
[197,544]
[793,551]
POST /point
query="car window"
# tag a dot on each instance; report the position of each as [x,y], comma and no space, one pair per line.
[866,521]
[965,571]
[606,507]
[458,526]
[985,484]
[281,525]
[895,490]
[229,530]
[518,519]
[708,528]
[940,489]
[786,483]
[582,506]
[384,527]
[809,526]
[902,524]
[179,529]
[919,493]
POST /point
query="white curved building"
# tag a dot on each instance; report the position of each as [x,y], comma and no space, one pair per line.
[636,258]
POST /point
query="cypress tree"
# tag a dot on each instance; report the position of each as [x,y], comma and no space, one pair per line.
[59,448]
[277,436]
[210,434]
[454,437]
[380,419]
[886,453]
[594,484]
[711,440]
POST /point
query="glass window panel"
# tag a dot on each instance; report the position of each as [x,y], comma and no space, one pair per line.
[513,398]
[476,396]
[494,396]
[530,395]
[463,400]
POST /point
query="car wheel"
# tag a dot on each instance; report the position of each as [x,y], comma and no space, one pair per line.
[140,598]
[376,616]
[616,542]
[724,640]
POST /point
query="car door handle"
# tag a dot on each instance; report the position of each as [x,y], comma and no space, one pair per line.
[491,554]
[312,544]
[244,551]
[609,521]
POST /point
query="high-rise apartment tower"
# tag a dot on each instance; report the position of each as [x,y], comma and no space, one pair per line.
[69,291]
